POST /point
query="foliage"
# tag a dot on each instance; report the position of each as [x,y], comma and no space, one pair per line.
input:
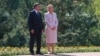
[78,21]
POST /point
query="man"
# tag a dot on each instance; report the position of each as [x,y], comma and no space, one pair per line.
[35,28]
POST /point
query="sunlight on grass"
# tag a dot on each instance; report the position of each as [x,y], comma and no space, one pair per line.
[7,51]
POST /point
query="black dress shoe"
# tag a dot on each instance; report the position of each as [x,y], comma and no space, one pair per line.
[32,53]
[39,53]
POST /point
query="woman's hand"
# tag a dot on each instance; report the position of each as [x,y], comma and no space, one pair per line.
[53,28]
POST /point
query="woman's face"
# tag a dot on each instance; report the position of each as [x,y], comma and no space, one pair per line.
[50,9]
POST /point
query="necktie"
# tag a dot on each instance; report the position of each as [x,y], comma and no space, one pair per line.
[38,14]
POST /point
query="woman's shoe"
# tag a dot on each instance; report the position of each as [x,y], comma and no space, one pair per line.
[54,53]
[49,53]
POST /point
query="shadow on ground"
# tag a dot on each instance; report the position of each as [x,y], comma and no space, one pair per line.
[58,55]
[49,55]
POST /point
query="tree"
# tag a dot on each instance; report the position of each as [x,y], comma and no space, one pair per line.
[78,21]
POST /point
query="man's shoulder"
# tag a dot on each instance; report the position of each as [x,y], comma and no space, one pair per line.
[32,11]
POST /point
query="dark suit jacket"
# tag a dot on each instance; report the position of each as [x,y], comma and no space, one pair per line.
[35,21]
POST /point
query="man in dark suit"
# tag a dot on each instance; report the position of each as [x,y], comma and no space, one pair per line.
[35,28]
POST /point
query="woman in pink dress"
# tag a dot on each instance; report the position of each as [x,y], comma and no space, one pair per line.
[51,28]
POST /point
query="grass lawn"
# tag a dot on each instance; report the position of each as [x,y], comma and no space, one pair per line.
[8,51]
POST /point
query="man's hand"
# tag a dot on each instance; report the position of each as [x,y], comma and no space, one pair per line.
[32,31]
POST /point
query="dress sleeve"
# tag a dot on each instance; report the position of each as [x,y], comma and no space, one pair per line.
[56,21]
[47,20]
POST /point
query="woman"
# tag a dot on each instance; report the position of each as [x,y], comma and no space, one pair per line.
[51,28]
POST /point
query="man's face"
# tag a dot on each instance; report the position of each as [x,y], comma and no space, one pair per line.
[38,8]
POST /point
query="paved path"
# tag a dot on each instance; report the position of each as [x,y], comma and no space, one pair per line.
[70,54]
[83,54]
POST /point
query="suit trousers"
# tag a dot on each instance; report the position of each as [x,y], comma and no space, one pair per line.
[36,37]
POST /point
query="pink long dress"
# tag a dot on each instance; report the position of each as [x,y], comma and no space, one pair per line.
[51,21]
